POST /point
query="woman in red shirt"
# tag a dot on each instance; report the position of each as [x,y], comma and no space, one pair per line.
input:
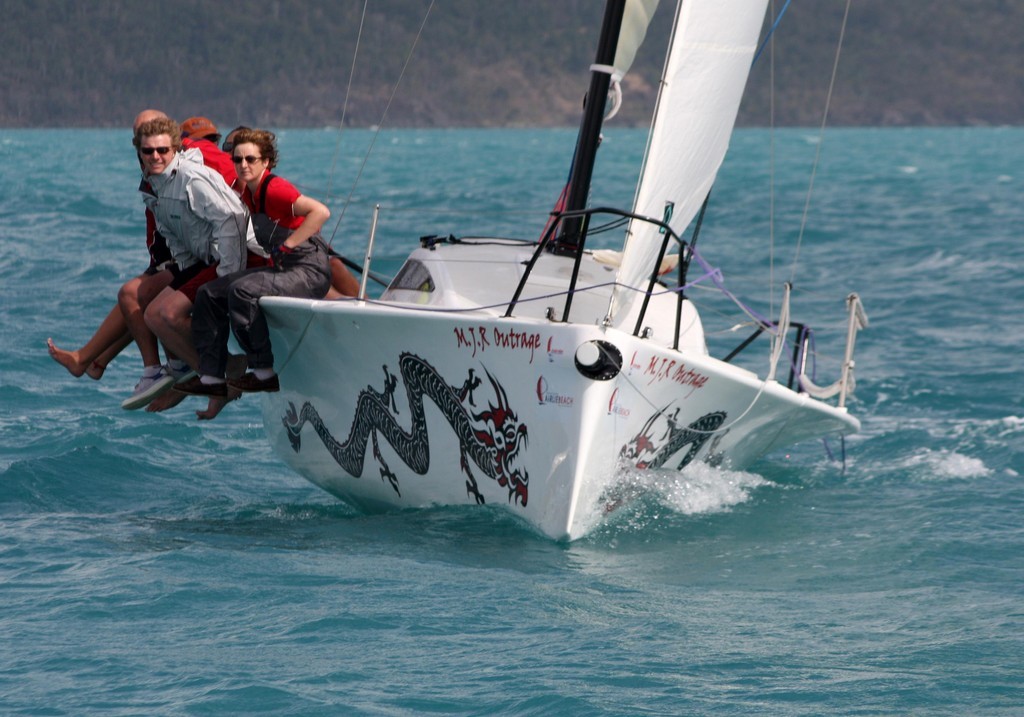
[287,223]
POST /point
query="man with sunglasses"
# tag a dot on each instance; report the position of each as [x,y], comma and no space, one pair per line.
[196,133]
[113,334]
[204,222]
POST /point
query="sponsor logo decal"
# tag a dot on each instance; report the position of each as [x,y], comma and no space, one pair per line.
[546,396]
[615,408]
[553,352]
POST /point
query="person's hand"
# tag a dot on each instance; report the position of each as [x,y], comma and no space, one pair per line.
[278,254]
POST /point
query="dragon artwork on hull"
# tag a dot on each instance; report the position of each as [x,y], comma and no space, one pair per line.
[645,451]
[492,439]
[649,451]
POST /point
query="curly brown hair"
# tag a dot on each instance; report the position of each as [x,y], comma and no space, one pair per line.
[266,141]
[158,126]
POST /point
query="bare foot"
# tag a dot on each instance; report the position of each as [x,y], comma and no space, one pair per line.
[95,370]
[165,401]
[217,403]
[67,359]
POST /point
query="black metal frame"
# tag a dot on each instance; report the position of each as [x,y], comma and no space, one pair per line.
[583,216]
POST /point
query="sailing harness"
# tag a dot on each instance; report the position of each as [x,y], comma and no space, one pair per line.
[271,234]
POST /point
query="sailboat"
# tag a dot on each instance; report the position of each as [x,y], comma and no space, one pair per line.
[532,374]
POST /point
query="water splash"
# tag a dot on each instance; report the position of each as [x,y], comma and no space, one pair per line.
[639,498]
[945,464]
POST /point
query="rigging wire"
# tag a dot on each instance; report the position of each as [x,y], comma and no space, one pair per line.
[771,158]
[380,125]
[337,148]
[821,140]
[771,30]
[344,107]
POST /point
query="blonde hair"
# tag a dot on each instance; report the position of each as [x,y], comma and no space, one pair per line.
[158,126]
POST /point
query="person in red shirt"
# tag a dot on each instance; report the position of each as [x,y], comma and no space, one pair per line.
[287,223]
[200,133]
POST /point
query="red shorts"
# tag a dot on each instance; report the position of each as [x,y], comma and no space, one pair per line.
[189,281]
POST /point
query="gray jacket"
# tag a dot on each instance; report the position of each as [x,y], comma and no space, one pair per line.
[199,214]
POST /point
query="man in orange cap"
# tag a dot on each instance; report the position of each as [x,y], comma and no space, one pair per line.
[202,134]
[199,128]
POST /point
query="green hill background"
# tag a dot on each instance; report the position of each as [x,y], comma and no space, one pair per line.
[95,63]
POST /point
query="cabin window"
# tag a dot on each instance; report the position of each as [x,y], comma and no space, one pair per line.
[414,276]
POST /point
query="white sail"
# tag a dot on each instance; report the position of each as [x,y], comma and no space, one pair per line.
[635,21]
[713,45]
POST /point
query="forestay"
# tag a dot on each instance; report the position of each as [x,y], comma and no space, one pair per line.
[712,47]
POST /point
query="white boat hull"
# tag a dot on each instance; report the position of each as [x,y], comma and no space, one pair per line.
[394,407]
[530,374]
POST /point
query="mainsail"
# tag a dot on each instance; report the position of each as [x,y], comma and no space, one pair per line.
[709,58]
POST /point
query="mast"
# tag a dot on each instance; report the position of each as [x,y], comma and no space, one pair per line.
[570,239]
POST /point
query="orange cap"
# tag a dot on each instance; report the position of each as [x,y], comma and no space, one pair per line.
[199,127]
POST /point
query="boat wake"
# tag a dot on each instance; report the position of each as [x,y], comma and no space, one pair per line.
[639,498]
[943,464]
[940,449]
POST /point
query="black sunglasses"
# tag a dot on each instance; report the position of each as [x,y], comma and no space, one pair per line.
[159,150]
[248,159]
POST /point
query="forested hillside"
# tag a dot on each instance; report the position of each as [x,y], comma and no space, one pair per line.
[85,63]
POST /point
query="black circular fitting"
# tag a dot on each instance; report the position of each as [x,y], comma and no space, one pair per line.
[598,360]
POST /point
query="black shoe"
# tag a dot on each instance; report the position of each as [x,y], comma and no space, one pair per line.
[195,387]
[250,384]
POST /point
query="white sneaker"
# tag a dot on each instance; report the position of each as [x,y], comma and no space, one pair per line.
[148,388]
[183,375]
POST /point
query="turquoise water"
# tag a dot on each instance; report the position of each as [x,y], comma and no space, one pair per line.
[155,565]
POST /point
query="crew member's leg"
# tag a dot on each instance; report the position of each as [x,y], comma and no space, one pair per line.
[169,317]
[111,333]
[306,275]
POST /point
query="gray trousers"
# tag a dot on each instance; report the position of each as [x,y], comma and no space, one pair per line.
[234,300]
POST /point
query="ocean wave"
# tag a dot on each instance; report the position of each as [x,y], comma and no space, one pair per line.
[1006,427]
[82,479]
[929,448]
[944,464]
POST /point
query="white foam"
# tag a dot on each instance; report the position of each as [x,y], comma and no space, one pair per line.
[947,464]
[698,489]
[1012,424]
[988,430]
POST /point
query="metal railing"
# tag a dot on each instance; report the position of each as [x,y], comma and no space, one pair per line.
[585,215]
[857,319]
